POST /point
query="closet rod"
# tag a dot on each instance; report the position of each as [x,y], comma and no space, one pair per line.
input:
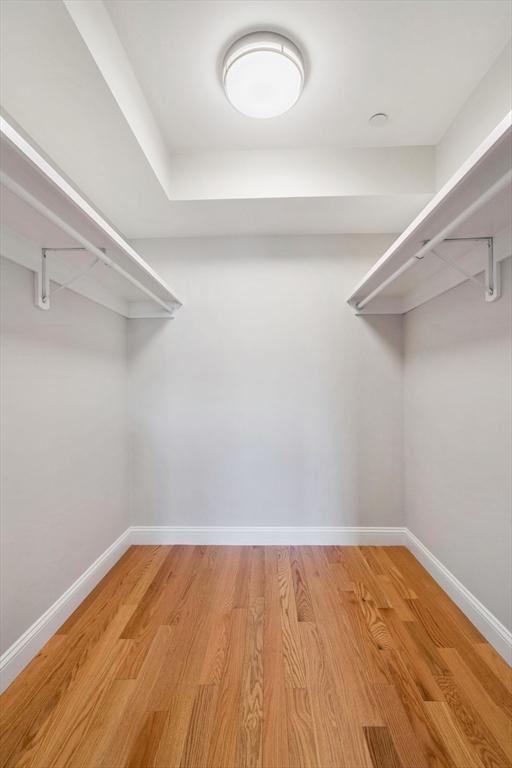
[484,198]
[61,224]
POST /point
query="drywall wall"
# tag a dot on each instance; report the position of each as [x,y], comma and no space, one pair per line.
[488,104]
[63,438]
[266,401]
[457,437]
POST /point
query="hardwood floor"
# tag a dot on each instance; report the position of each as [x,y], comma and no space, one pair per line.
[279,657]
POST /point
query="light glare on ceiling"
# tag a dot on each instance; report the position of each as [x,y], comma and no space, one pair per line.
[263,74]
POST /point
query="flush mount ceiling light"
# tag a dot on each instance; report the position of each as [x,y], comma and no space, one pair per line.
[263,74]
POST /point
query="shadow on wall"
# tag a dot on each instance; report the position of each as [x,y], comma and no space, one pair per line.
[377,442]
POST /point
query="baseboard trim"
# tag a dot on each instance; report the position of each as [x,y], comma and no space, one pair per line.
[266,535]
[30,643]
[23,650]
[491,628]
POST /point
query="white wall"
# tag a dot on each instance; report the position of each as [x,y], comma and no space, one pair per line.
[266,402]
[63,435]
[457,437]
[490,101]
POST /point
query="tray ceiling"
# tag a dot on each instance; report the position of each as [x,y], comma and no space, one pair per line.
[130,107]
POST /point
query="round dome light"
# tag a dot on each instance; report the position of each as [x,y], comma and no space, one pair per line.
[263,74]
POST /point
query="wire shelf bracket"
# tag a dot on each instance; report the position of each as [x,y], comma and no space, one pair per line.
[492,272]
[43,291]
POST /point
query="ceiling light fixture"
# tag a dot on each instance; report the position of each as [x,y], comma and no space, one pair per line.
[263,74]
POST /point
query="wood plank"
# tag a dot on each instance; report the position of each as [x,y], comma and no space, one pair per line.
[105,721]
[145,747]
[497,721]
[412,656]
[495,685]
[114,587]
[164,594]
[362,575]
[302,597]
[400,605]
[222,752]
[119,744]
[366,651]
[345,688]
[381,747]
[195,752]
[406,741]
[275,716]
[426,649]
[27,703]
[295,674]
[218,639]
[401,584]
[249,743]
[347,655]
[426,588]
[377,628]
[175,690]
[496,663]
[162,589]
[322,699]
[301,732]
[257,577]
[69,720]
[241,594]
[467,718]
[439,715]
[412,702]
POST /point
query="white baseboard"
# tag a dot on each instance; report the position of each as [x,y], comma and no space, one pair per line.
[30,643]
[32,640]
[266,535]
[490,627]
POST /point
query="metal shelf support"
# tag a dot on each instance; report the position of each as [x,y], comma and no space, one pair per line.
[42,284]
[492,274]
[491,284]
[42,281]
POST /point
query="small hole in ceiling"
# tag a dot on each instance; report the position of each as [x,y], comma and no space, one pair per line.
[378,119]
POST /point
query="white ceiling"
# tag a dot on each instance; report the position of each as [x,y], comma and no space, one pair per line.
[417,60]
[124,98]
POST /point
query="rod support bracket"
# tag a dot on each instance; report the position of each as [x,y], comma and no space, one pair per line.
[492,273]
[42,276]
[42,283]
